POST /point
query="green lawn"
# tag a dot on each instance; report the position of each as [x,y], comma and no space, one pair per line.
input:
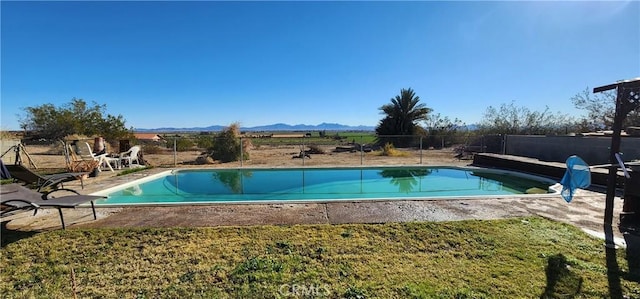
[514,258]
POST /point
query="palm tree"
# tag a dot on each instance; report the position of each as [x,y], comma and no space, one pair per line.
[402,114]
[405,179]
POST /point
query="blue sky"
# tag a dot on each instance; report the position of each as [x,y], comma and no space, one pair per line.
[189,64]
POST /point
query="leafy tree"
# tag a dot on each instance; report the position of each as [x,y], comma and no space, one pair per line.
[113,128]
[47,121]
[401,117]
[600,108]
[204,141]
[227,147]
[50,122]
[510,119]
[441,129]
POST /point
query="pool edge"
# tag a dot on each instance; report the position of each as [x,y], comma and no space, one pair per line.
[553,189]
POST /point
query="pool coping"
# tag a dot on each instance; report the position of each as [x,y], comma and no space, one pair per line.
[585,211]
[553,190]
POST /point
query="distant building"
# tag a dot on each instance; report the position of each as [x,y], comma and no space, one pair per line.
[148,137]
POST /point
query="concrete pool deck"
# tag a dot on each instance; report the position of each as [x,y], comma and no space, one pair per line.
[586,211]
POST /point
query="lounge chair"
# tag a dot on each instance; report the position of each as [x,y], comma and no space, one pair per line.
[23,174]
[17,198]
[130,156]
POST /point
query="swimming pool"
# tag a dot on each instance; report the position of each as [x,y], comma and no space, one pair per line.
[320,184]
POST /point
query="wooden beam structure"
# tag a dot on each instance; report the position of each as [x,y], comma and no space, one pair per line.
[627,100]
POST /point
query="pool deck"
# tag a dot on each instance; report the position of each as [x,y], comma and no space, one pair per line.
[585,211]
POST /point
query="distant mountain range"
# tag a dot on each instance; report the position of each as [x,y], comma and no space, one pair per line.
[267,128]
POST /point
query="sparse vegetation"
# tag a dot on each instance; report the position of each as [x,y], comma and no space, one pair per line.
[229,147]
[183,144]
[315,149]
[152,149]
[511,119]
[6,135]
[513,258]
[442,132]
[600,108]
[390,151]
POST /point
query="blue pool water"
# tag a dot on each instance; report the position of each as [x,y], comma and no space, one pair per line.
[267,185]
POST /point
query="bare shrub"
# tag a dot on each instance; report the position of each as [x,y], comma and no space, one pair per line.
[315,149]
[390,151]
[228,147]
[204,160]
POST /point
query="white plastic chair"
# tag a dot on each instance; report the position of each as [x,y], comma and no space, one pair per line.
[131,156]
[86,153]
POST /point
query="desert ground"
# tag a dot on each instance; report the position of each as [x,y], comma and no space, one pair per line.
[48,157]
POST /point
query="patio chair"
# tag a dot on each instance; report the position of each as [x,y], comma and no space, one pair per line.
[83,152]
[21,173]
[130,156]
[77,163]
[16,198]
[103,159]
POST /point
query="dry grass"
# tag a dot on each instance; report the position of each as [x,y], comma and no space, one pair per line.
[515,258]
[389,150]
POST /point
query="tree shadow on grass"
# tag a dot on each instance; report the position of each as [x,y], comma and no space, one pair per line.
[9,236]
[614,272]
[632,239]
[561,281]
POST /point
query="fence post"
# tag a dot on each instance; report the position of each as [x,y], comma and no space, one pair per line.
[361,153]
[302,152]
[241,152]
[420,149]
[504,144]
[175,151]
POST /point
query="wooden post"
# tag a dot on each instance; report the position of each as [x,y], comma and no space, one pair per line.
[627,100]
[241,152]
[613,168]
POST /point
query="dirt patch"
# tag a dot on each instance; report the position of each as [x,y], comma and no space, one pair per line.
[270,156]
